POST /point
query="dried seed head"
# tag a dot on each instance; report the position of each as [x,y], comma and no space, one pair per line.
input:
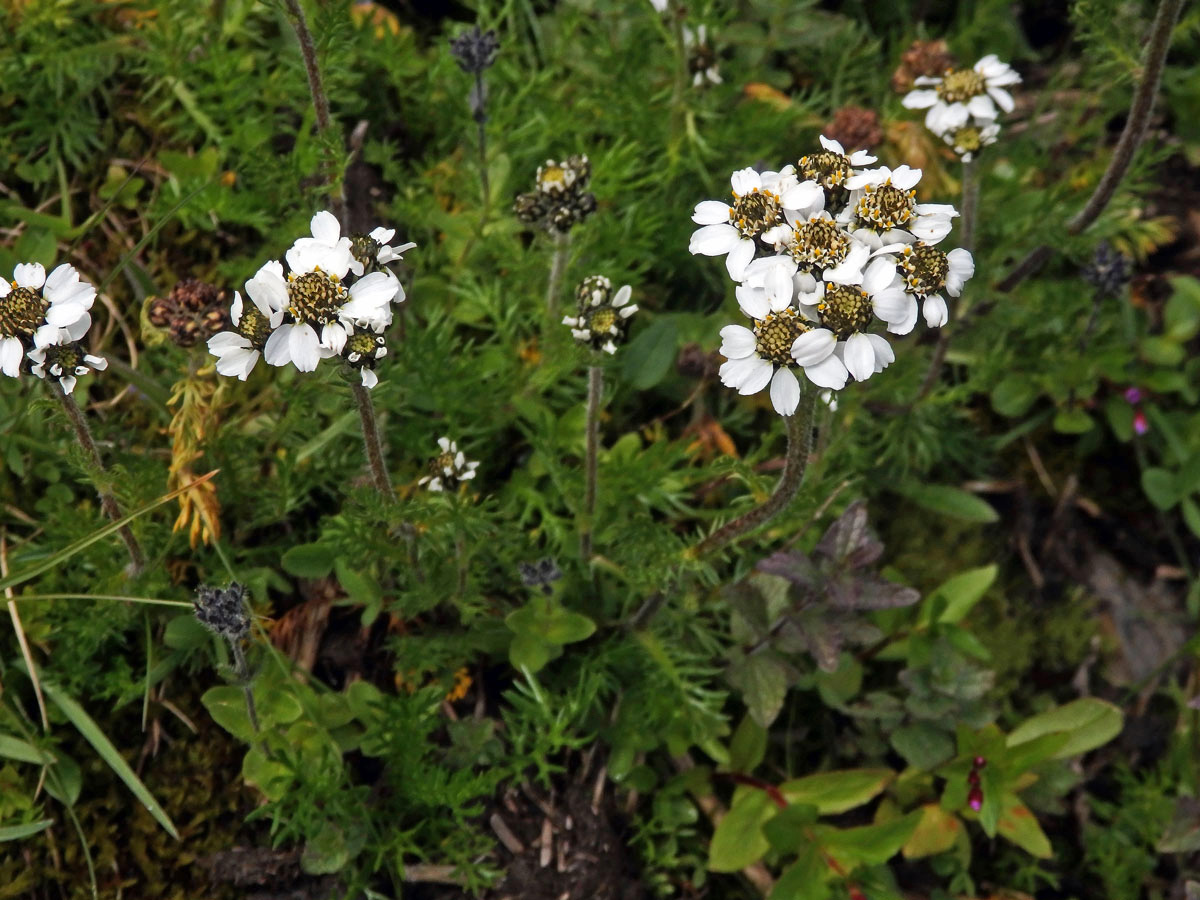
[855,128]
[223,610]
[193,312]
[931,58]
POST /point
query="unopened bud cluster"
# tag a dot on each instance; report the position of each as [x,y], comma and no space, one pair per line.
[194,311]
[560,199]
[602,316]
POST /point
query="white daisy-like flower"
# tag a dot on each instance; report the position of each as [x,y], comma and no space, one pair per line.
[374,250]
[823,250]
[449,468]
[780,341]
[363,349]
[33,303]
[603,316]
[832,166]
[57,355]
[926,272]
[326,250]
[660,6]
[702,62]
[315,299]
[848,308]
[883,209]
[238,351]
[964,94]
[970,139]
[759,204]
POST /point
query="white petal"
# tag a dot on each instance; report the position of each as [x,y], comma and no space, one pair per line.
[893,306]
[935,311]
[621,297]
[235,308]
[737,342]
[861,158]
[748,375]
[753,301]
[11,354]
[371,294]
[778,286]
[905,177]
[325,227]
[68,383]
[62,315]
[879,275]
[267,288]
[828,373]
[1002,97]
[304,348]
[931,229]
[859,357]
[962,268]
[831,145]
[785,392]
[33,275]
[739,257]
[711,212]
[333,337]
[982,107]
[939,118]
[919,99]
[884,355]
[804,195]
[277,351]
[743,181]
[714,240]
[908,322]
[814,346]
[369,378]
[850,270]
[226,341]
[384,235]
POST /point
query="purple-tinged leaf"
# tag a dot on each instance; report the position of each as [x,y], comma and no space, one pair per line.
[848,543]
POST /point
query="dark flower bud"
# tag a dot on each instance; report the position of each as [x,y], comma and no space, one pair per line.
[223,610]
[540,574]
[1108,272]
[475,50]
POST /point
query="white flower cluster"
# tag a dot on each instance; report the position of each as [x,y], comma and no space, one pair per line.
[448,469]
[962,104]
[334,299]
[820,251]
[42,320]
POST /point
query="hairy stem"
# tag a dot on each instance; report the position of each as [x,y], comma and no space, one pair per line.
[592,431]
[1131,138]
[799,444]
[558,267]
[970,206]
[137,561]
[371,442]
[480,121]
[316,87]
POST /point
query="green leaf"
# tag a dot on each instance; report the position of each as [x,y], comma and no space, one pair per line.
[949,501]
[528,652]
[836,792]
[923,745]
[805,879]
[103,746]
[27,829]
[273,779]
[739,840]
[748,747]
[1020,826]
[1162,351]
[327,853]
[1089,721]
[1191,515]
[650,355]
[763,680]
[935,833]
[227,706]
[309,560]
[1013,395]
[21,751]
[550,622]
[791,828]
[959,594]
[1159,486]
[64,780]
[184,632]
[1181,316]
[870,845]
[1073,421]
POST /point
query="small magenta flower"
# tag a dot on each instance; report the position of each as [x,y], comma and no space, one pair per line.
[975,795]
[1133,395]
[1140,425]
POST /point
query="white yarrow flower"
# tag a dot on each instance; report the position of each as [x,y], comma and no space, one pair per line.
[449,468]
[57,355]
[238,351]
[883,209]
[33,304]
[963,95]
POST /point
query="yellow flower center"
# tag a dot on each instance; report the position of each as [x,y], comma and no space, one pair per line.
[776,333]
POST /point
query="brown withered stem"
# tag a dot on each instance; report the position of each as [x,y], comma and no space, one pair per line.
[1131,138]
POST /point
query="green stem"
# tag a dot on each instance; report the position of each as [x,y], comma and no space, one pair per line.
[592,433]
[137,561]
[371,441]
[799,445]
[320,99]
[558,267]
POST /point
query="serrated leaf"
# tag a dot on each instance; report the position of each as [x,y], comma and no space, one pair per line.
[738,840]
[763,680]
[848,542]
[836,792]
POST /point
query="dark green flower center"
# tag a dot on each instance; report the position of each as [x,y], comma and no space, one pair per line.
[968,139]
[819,244]
[961,85]
[827,168]
[602,320]
[314,298]
[441,464]
[21,312]
[363,348]
[365,249]
[756,212]
[776,333]
[927,269]
[845,309]
[886,206]
[65,359]
[254,326]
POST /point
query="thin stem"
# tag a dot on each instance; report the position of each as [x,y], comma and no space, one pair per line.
[480,121]
[592,432]
[242,671]
[967,216]
[799,445]
[1131,138]
[371,442]
[558,267]
[137,562]
[316,87]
